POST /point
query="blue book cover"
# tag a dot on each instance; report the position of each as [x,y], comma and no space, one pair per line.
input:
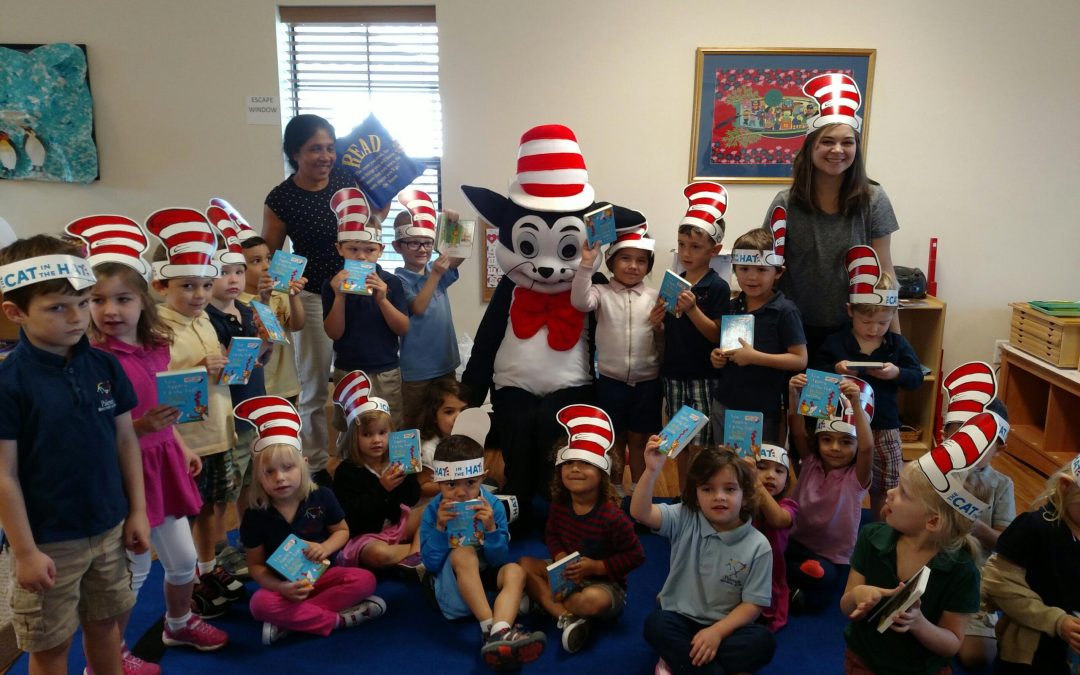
[733,327]
[285,268]
[186,390]
[243,353]
[560,586]
[377,162]
[270,329]
[742,431]
[600,225]
[821,396]
[290,561]
[404,450]
[356,282]
[670,288]
[681,430]
[465,529]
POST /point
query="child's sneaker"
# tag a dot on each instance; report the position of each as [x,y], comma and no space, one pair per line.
[131,664]
[225,584]
[197,633]
[206,601]
[511,647]
[272,633]
[371,608]
[234,561]
[662,668]
[575,632]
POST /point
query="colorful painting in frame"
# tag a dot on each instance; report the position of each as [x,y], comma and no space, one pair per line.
[750,110]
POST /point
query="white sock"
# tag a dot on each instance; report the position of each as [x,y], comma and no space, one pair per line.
[496,627]
[206,567]
[485,626]
[178,623]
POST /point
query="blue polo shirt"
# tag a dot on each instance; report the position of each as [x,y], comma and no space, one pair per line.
[429,349]
[227,327]
[686,350]
[62,413]
[314,516]
[367,344]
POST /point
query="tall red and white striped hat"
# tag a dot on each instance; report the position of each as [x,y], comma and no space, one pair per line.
[708,203]
[773,257]
[351,395]
[591,435]
[233,252]
[947,465]
[189,240]
[275,420]
[111,238]
[838,100]
[244,231]
[864,273]
[422,212]
[845,424]
[355,220]
[970,388]
[551,173]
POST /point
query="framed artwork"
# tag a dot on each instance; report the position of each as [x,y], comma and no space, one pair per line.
[46,114]
[490,274]
[750,111]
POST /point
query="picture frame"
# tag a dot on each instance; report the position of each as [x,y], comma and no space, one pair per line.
[750,110]
[490,274]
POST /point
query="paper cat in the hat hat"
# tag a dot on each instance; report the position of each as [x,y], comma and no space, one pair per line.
[532,348]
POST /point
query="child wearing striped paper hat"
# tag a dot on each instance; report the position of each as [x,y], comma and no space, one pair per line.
[774,517]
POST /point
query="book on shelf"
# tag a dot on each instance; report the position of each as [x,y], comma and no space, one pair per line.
[681,429]
[290,561]
[186,390]
[734,327]
[561,587]
[356,282]
[286,268]
[670,288]
[885,613]
[243,354]
[820,397]
[465,529]
[742,432]
[600,226]
[403,449]
[455,239]
[270,328]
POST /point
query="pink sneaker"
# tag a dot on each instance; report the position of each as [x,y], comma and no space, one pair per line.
[197,633]
[133,665]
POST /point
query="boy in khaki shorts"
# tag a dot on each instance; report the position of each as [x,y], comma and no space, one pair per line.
[71,491]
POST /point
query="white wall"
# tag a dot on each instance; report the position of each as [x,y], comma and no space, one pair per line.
[970,125]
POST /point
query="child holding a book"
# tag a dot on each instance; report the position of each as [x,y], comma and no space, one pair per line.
[628,385]
[691,332]
[365,326]
[927,523]
[458,576]
[443,402]
[71,489]
[376,494]
[753,376]
[285,501]
[833,479]
[774,517]
[586,522]
[721,566]
[429,351]
[872,308]
[1032,579]
[125,323]
[184,276]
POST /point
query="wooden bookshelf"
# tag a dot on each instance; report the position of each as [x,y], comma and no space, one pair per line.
[922,322]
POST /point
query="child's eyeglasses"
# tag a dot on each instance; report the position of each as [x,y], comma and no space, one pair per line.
[414,245]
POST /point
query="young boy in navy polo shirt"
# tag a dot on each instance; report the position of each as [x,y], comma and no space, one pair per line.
[754,376]
[365,328]
[71,493]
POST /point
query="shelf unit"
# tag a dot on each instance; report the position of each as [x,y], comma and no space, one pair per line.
[1044,410]
[922,322]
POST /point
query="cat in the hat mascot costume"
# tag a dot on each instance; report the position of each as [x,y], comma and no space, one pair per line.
[532,347]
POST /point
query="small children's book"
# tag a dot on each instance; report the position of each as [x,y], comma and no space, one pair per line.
[404,450]
[742,432]
[186,390]
[557,581]
[681,430]
[285,268]
[465,529]
[270,329]
[356,282]
[600,225]
[243,352]
[289,559]
[455,239]
[886,612]
[821,396]
[670,288]
[732,328]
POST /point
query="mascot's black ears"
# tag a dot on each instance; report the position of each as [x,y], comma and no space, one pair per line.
[492,206]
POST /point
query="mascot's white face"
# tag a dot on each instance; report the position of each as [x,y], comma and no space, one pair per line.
[541,253]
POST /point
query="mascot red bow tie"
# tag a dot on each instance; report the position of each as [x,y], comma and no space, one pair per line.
[530,311]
